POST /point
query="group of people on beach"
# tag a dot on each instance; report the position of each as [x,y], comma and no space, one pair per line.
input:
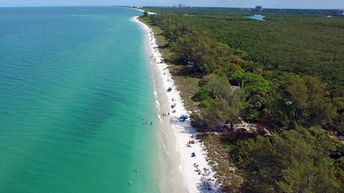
[206,180]
[172,107]
[189,143]
[205,173]
[165,114]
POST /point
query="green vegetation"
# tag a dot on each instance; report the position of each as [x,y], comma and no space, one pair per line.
[291,161]
[284,74]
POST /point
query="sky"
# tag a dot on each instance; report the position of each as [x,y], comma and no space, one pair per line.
[310,4]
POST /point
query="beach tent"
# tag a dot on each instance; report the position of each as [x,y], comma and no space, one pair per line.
[169,89]
[183,118]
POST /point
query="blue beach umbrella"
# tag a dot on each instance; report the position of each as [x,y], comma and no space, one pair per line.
[183,118]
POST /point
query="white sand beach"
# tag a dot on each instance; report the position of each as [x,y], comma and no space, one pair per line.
[184,158]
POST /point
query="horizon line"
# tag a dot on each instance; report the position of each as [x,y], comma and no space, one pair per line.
[162,6]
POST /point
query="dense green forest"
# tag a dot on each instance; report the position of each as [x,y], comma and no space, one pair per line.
[284,74]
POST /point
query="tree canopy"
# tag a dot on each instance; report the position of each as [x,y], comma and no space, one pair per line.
[294,161]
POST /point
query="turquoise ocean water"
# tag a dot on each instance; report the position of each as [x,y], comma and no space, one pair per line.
[75,91]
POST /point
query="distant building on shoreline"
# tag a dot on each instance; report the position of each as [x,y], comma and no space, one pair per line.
[340,12]
[259,8]
[179,6]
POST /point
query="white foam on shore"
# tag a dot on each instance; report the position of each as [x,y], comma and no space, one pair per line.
[182,132]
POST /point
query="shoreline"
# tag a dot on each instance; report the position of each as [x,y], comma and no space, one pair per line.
[141,10]
[184,161]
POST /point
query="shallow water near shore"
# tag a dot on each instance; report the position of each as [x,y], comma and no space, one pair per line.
[76,91]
